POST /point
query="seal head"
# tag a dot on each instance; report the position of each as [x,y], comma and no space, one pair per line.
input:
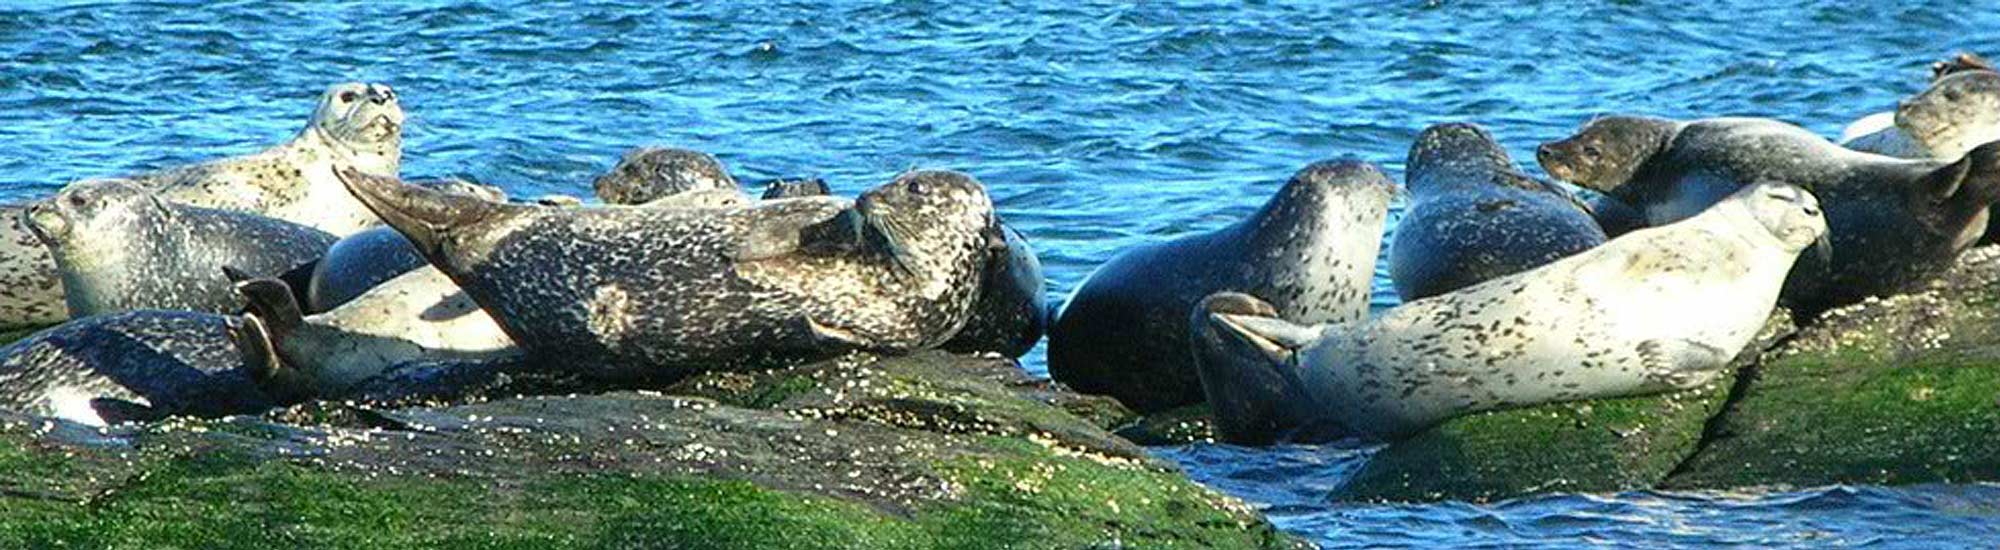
[1607,152]
[647,174]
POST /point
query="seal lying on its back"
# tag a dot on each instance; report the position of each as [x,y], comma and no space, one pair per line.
[659,293]
[1310,251]
[1959,111]
[1611,321]
[1895,222]
[1473,216]
[357,126]
[143,365]
[419,316]
[31,293]
[121,248]
[647,174]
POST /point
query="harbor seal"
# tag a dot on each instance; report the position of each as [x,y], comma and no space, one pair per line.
[1607,322]
[1310,251]
[120,248]
[357,125]
[1960,110]
[646,294]
[31,293]
[420,316]
[1895,222]
[647,174]
[787,188]
[1473,216]
[141,366]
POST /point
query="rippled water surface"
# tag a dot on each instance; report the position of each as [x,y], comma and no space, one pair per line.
[1095,128]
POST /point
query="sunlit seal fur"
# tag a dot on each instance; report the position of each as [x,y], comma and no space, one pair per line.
[356,125]
[419,316]
[1473,216]
[142,365]
[649,292]
[1896,222]
[1959,111]
[647,174]
[1310,251]
[31,292]
[1611,321]
[359,262]
[121,248]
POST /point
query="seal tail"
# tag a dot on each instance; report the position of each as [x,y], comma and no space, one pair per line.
[424,216]
[1245,358]
[1964,189]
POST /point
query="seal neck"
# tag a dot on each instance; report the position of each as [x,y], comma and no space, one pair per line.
[381,158]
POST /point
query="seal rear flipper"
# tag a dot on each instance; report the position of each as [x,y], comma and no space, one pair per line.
[424,216]
[1681,363]
[285,385]
[1255,394]
[118,411]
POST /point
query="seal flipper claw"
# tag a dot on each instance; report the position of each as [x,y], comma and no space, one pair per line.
[1680,362]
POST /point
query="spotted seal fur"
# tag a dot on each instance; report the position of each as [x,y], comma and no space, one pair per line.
[356,125]
[1960,110]
[1310,251]
[31,293]
[645,293]
[1611,321]
[1473,216]
[120,248]
[646,174]
[143,365]
[1896,222]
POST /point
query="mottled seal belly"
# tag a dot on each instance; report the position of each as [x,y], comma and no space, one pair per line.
[420,316]
[1473,216]
[118,247]
[1895,222]
[647,174]
[1310,252]
[648,293]
[31,292]
[357,125]
[141,365]
[1611,321]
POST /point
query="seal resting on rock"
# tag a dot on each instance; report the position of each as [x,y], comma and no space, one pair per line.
[646,293]
[357,125]
[1895,222]
[121,248]
[1473,216]
[1611,321]
[647,174]
[1310,251]
[417,317]
[143,365]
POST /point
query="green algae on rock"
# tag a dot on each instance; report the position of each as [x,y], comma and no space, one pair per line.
[927,451]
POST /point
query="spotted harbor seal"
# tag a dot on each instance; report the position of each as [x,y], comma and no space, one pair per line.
[1895,222]
[142,365]
[120,248]
[1310,251]
[31,292]
[419,316]
[357,125]
[1960,110]
[1611,321]
[647,174]
[646,293]
[1473,216]
[787,188]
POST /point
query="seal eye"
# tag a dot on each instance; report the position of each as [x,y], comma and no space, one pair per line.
[1591,150]
[348,96]
[917,187]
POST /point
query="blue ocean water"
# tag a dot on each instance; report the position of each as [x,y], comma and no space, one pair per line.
[1094,126]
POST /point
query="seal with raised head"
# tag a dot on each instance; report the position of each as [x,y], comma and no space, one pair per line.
[357,125]
[420,316]
[1607,322]
[646,174]
[1960,110]
[31,292]
[120,248]
[1473,216]
[1895,222]
[144,365]
[1310,251]
[649,293]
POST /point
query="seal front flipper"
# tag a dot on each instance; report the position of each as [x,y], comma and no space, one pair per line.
[1681,363]
[831,338]
[840,234]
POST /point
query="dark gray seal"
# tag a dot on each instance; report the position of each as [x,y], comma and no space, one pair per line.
[121,248]
[143,365]
[649,293]
[1658,309]
[1895,222]
[647,174]
[1473,216]
[1310,251]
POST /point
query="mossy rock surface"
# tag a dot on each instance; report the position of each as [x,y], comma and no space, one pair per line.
[931,451]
